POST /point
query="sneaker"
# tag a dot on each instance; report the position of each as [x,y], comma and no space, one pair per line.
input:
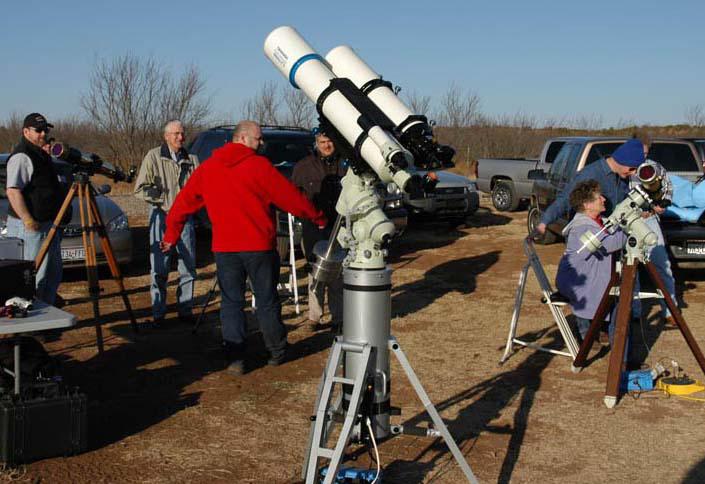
[236,368]
[279,358]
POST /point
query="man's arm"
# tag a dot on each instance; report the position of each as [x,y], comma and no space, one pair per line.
[19,173]
[286,196]
[146,187]
[187,202]
[559,206]
[14,195]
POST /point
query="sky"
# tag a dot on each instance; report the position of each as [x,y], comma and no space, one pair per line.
[617,61]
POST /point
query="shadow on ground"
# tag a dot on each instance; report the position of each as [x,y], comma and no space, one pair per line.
[480,405]
[456,275]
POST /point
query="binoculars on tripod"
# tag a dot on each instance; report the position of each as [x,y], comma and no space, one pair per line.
[90,163]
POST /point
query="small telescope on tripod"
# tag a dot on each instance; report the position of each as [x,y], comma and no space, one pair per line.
[90,163]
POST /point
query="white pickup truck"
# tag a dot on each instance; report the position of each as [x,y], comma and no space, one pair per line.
[506,179]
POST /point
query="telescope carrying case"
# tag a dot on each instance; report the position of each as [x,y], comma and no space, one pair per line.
[17,279]
[38,427]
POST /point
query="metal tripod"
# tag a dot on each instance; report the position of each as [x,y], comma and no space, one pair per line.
[549,297]
[364,396]
[91,223]
[625,282]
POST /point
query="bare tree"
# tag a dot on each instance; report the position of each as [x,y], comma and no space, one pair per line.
[695,115]
[459,108]
[264,106]
[299,109]
[131,98]
[417,103]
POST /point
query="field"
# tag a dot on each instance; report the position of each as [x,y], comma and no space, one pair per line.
[161,408]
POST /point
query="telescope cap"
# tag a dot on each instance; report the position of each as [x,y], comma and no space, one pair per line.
[36,121]
[630,154]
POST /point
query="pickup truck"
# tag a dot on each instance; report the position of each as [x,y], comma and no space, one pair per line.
[454,199]
[686,241]
[506,179]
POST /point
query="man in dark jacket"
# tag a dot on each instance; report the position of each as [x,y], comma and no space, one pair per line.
[240,189]
[35,195]
[318,175]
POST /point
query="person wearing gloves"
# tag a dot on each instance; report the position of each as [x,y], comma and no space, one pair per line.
[240,189]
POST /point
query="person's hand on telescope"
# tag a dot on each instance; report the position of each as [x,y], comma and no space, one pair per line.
[165,246]
[541,228]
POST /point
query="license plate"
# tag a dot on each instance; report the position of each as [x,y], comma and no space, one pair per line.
[73,254]
[695,248]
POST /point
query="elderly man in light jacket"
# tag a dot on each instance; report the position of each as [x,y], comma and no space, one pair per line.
[164,171]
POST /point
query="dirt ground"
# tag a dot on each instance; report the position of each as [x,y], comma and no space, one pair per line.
[161,408]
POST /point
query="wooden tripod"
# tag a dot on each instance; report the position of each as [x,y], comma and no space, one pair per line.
[624,309]
[91,222]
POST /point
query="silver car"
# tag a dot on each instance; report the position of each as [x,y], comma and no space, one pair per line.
[72,251]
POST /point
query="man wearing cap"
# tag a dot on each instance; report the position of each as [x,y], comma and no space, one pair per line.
[612,173]
[318,175]
[35,195]
[163,173]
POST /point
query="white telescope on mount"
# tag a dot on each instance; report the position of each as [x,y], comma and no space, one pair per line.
[383,140]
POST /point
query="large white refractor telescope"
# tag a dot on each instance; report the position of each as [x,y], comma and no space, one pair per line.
[383,140]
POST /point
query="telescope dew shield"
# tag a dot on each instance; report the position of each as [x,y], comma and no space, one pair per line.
[346,63]
[414,132]
[308,71]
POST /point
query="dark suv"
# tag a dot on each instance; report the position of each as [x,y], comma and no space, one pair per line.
[285,146]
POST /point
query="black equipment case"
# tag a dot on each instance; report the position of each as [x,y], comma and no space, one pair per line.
[33,428]
[11,248]
[16,279]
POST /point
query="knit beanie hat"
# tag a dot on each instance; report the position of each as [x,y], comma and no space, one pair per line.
[630,153]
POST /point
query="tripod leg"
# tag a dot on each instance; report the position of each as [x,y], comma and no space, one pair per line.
[603,310]
[619,343]
[110,255]
[677,316]
[515,315]
[52,232]
[431,410]
[211,293]
[90,260]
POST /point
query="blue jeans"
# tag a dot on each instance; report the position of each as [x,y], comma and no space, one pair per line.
[50,272]
[186,252]
[262,268]
[659,257]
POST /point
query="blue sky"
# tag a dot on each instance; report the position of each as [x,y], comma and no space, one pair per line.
[638,61]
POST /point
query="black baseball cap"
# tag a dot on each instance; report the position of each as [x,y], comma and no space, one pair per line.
[36,121]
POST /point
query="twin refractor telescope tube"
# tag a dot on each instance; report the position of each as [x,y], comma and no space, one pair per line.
[383,139]
[627,215]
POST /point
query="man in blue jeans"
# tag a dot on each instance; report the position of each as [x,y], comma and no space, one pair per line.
[164,171]
[35,195]
[240,189]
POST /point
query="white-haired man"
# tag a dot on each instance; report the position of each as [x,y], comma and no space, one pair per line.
[163,173]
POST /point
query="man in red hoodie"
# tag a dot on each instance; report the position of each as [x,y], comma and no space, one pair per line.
[240,189]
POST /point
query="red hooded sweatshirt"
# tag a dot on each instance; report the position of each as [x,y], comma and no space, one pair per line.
[238,188]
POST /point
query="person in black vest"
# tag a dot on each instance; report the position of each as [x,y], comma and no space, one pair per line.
[35,195]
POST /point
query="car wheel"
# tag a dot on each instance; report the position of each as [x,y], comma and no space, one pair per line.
[532,221]
[504,196]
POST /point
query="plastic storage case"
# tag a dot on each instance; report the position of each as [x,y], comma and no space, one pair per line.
[33,428]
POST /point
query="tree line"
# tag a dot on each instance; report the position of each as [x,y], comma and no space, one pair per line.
[128,100]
